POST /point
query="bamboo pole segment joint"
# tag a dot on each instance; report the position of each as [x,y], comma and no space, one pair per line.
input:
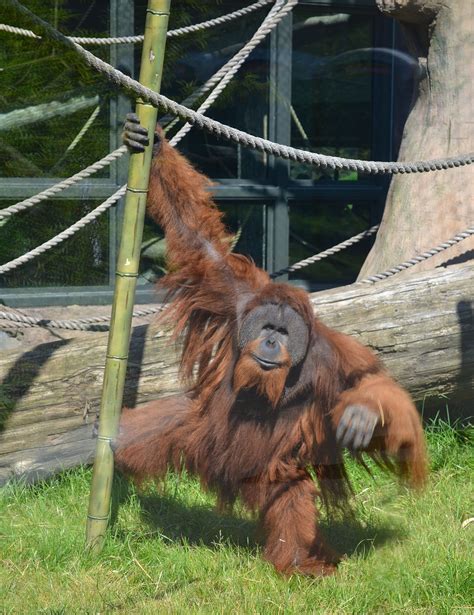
[117,357]
[157,13]
[98,518]
[105,438]
[143,103]
[124,274]
[137,190]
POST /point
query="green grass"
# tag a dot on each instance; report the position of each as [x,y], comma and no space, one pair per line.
[170,552]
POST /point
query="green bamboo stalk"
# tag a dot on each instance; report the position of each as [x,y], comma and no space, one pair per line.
[126,278]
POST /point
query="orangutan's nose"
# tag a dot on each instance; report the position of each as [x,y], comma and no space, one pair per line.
[270,348]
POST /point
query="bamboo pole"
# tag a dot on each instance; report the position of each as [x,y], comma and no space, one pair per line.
[126,277]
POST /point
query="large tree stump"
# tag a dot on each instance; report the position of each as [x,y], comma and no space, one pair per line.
[425,209]
[422,327]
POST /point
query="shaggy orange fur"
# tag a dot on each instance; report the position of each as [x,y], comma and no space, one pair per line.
[244,431]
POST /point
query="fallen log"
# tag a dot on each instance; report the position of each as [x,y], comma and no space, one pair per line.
[421,326]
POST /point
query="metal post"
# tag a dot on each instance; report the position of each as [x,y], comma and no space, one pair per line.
[126,278]
[278,219]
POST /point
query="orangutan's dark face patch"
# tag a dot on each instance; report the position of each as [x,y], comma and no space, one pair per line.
[280,331]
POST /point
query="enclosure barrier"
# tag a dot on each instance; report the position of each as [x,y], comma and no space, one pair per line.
[239,136]
[222,78]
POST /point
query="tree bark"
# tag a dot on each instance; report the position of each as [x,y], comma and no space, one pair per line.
[423,330]
[423,210]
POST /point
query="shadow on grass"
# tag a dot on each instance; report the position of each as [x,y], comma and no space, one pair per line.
[202,525]
[198,524]
[350,537]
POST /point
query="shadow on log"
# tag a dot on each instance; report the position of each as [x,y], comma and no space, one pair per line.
[422,326]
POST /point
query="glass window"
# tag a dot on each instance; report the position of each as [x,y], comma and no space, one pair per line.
[54,117]
[192,59]
[332,77]
[318,225]
[81,260]
[331,80]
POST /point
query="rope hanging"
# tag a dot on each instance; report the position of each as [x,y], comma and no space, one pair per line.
[114,40]
[87,324]
[372,279]
[238,136]
[97,323]
[329,252]
[62,185]
[95,213]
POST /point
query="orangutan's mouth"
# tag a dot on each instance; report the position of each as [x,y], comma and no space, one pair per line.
[265,363]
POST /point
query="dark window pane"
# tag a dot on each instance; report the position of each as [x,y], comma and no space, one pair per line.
[243,220]
[191,60]
[331,88]
[316,226]
[81,260]
[48,94]
[246,222]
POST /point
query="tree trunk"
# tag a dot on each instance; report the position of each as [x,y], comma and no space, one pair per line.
[423,330]
[423,210]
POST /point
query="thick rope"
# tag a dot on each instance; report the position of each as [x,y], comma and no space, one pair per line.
[227,132]
[95,213]
[20,31]
[66,183]
[372,279]
[87,324]
[329,252]
[97,323]
[218,21]
[117,40]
